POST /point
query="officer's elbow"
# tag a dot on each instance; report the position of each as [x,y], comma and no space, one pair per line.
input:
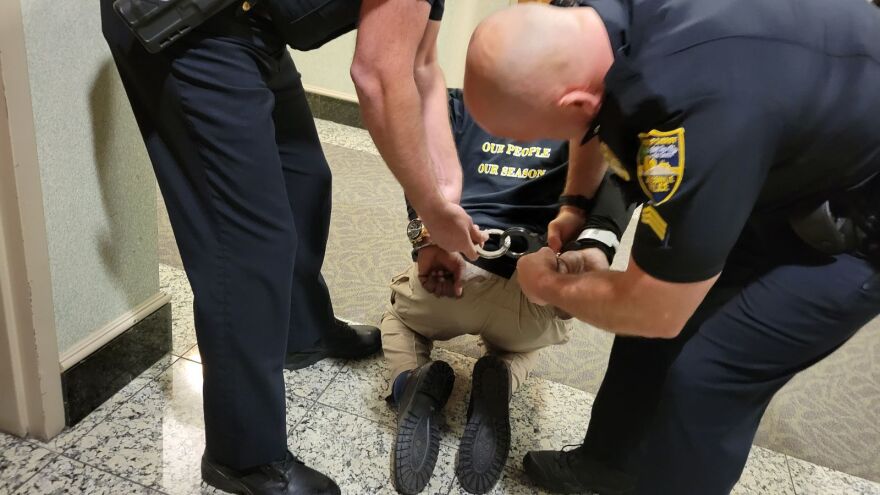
[367,80]
[667,330]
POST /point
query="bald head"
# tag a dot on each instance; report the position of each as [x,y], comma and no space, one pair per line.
[535,71]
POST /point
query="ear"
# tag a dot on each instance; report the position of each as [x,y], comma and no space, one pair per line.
[580,101]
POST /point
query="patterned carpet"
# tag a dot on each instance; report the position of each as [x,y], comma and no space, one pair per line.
[829,415]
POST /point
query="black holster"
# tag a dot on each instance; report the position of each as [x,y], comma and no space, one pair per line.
[847,223]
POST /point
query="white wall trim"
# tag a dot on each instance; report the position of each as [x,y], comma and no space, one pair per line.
[110,331]
[31,304]
[330,93]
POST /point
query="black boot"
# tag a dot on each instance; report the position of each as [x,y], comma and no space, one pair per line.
[417,442]
[342,341]
[572,471]
[287,477]
[485,444]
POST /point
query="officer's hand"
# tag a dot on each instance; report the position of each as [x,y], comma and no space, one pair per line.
[452,229]
[440,272]
[568,223]
[533,272]
[583,260]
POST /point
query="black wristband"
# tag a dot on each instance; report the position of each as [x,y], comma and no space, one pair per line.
[582,202]
[582,244]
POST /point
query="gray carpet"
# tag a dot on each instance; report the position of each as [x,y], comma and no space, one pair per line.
[829,415]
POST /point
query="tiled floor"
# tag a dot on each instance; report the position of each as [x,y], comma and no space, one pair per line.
[149,437]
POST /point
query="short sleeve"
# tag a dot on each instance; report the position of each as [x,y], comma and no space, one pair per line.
[701,181]
[437,7]
[456,109]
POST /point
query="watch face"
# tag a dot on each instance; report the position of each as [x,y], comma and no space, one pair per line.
[414,229]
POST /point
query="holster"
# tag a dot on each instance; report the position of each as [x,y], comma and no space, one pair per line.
[159,23]
[846,223]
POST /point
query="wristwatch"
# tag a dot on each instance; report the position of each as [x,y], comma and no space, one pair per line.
[417,233]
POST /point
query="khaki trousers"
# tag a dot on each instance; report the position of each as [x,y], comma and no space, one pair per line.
[491,306]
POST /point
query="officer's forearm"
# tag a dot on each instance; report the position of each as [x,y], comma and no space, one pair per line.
[441,147]
[392,111]
[586,168]
[625,303]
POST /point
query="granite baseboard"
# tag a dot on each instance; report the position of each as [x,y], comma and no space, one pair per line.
[90,382]
[335,110]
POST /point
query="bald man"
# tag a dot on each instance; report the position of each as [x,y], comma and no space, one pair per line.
[751,142]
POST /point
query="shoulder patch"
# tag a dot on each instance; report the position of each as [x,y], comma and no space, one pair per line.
[660,164]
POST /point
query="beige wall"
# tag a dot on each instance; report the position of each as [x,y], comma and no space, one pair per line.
[326,70]
[98,187]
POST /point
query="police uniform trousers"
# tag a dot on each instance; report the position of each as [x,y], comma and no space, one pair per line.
[681,414]
[237,157]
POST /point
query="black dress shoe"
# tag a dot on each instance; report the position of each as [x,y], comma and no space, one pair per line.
[485,444]
[342,341]
[417,442]
[571,471]
[287,477]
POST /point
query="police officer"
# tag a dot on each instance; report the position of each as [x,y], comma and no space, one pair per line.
[234,147]
[748,129]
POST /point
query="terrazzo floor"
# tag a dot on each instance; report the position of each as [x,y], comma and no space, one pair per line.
[148,438]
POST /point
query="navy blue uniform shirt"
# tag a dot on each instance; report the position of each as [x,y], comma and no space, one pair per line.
[718,110]
[309,24]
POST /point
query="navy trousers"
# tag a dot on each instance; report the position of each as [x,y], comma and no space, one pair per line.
[681,415]
[234,147]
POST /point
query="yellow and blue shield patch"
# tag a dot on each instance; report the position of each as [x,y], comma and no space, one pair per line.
[660,165]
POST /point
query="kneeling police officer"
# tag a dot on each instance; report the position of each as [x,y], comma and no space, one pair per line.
[224,117]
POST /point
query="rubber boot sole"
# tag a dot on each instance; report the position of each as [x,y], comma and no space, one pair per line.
[417,442]
[485,443]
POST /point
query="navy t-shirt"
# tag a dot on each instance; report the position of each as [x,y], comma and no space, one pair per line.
[507,183]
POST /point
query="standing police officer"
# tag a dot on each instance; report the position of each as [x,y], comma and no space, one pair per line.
[748,129]
[233,143]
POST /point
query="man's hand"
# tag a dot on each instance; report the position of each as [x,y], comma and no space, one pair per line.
[440,272]
[533,272]
[569,222]
[452,229]
[583,260]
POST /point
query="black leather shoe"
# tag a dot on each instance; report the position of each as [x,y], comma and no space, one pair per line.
[570,471]
[485,444]
[342,341]
[287,477]
[417,442]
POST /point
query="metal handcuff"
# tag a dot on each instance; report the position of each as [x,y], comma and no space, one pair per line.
[533,242]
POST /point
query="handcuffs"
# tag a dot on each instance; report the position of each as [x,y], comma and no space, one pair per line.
[533,243]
